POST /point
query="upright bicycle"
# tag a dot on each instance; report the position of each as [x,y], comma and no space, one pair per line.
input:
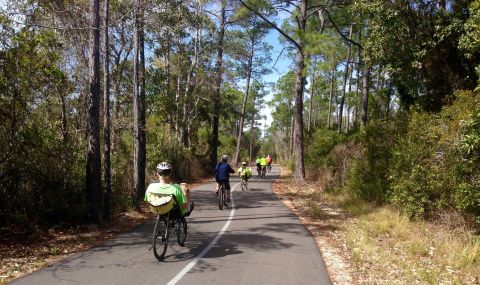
[264,171]
[244,184]
[170,221]
[222,197]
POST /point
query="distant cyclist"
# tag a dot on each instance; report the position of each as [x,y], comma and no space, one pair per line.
[263,164]
[259,165]
[222,175]
[244,172]
[269,163]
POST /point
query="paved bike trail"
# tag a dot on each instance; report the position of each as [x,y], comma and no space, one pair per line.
[257,241]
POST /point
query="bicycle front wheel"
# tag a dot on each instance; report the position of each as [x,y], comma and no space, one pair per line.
[182,231]
[160,238]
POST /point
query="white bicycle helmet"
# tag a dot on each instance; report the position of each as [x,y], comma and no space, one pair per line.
[244,163]
[164,168]
[224,157]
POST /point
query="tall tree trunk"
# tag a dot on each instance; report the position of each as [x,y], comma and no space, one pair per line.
[218,85]
[106,113]
[332,83]
[189,86]
[345,78]
[139,104]
[177,107]
[292,134]
[378,85]
[358,80]
[120,64]
[389,98]
[311,98]
[93,167]
[348,105]
[66,152]
[252,124]
[366,86]
[244,105]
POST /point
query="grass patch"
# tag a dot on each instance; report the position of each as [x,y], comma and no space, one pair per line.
[388,248]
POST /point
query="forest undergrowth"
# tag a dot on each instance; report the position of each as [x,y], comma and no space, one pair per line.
[363,243]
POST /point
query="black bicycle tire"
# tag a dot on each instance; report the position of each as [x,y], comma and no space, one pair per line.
[160,235]
[220,197]
[182,229]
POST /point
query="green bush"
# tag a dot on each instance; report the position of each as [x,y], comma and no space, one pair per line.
[369,171]
[467,194]
[319,146]
[318,161]
[425,167]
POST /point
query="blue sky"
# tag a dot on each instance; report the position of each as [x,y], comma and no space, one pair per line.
[282,66]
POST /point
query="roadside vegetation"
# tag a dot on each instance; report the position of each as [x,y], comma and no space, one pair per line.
[374,244]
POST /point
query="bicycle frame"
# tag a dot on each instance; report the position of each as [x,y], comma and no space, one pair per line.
[165,225]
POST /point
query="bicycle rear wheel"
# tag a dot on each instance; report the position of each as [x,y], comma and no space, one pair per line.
[160,237]
[244,184]
[221,197]
[182,231]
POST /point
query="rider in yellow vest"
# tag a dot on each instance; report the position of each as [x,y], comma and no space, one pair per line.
[245,171]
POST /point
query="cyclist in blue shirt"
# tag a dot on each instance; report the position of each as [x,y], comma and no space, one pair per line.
[222,175]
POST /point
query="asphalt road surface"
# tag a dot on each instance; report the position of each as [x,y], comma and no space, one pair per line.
[255,241]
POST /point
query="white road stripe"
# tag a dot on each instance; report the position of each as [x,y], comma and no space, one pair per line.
[210,245]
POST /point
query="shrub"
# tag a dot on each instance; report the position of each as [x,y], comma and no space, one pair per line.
[317,153]
[369,171]
[422,173]
[467,194]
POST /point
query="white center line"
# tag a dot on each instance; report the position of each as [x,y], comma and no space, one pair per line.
[210,245]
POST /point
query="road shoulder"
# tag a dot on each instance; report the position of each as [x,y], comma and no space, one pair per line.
[331,243]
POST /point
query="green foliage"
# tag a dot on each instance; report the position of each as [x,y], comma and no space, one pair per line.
[41,166]
[423,172]
[467,195]
[419,171]
[320,146]
[417,40]
[369,171]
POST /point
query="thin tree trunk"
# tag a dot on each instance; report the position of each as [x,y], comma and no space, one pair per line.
[218,85]
[366,79]
[106,113]
[359,80]
[139,104]
[389,97]
[93,167]
[332,82]
[188,88]
[65,161]
[311,98]
[345,78]
[252,124]
[292,134]
[378,85]
[120,67]
[244,105]
[177,107]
